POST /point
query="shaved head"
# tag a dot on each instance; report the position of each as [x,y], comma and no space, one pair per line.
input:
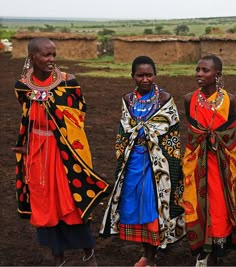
[216,61]
[35,44]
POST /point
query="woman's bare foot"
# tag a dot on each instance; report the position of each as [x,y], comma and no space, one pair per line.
[141,263]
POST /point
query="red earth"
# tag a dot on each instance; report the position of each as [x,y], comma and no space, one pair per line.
[18,246]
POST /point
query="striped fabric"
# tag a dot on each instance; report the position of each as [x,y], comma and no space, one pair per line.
[145,233]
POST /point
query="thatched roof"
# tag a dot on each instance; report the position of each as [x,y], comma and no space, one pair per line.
[53,35]
[156,38]
[174,38]
[226,37]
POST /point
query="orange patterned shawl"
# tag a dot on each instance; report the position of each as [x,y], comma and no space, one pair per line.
[209,173]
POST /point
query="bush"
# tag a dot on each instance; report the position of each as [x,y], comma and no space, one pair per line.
[148,31]
[6,34]
[231,30]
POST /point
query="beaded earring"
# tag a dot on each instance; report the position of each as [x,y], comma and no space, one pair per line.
[219,82]
[54,74]
[26,67]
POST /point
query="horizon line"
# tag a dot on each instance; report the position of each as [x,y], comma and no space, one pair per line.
[105,19]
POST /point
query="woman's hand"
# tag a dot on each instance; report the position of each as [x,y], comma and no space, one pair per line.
[20,149]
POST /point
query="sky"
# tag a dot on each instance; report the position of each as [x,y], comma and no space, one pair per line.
[118,9]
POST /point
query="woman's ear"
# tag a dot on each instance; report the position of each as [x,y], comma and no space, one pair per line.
[218,73]
[30,56]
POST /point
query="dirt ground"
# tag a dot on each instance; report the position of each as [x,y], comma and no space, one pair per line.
[18,244]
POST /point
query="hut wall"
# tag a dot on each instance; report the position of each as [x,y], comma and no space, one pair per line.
[164,52]
[188,52]
[226,50]
[19,48]
[160,52]
[70,49]
[76,49]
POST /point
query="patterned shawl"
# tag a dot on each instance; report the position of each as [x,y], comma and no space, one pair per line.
[221,139]
[162,133]
[66,112]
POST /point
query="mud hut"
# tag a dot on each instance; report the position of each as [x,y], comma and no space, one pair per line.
[162,49]
[222,46]
[69,46]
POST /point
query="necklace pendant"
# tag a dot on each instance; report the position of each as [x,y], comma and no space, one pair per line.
[141,109]
[40,95]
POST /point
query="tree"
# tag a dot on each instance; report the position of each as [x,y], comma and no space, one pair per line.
[181,29]
[148,31]
[208,30]
[105,37]
[106,32]
[48,28]
[158,29]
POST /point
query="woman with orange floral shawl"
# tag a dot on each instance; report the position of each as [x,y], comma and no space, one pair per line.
[56,185]
[209,163]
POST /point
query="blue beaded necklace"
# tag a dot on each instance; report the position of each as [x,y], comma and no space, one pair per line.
[141,108]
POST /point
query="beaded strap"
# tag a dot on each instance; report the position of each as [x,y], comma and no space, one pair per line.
[42,132]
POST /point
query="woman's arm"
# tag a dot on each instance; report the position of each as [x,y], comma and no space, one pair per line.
[19,149]
[187,100]
[232,108]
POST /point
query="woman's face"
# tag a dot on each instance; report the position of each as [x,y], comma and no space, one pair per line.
[144,77]
[44,59]
[206,73]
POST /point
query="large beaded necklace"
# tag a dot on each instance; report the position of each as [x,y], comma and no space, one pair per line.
[144,106]
[210,105]
[213,104]
[41,91]
[56,79]
[144,101]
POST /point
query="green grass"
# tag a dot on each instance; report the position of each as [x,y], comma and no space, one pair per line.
[102,74]
[99,59]
[106,67]
[175,69]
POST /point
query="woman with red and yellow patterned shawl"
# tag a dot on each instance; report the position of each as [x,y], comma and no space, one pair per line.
[209,164]
[56,185]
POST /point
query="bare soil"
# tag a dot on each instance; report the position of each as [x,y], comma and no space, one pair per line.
[18,244]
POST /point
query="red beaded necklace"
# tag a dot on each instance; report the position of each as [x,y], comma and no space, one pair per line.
[51,82]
